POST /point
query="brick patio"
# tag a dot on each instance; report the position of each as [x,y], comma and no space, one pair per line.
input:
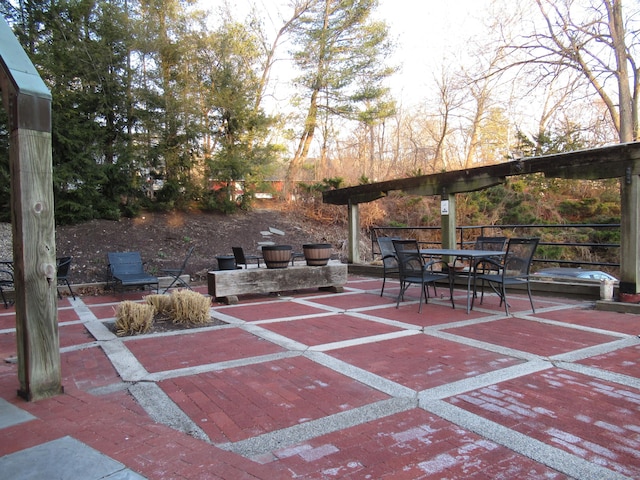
[322,386]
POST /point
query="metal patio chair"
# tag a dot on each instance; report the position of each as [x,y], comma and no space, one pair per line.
[490,243]
[126,269]
[176,273]
[496,244]
[63,265]
[512,270]
[389,259]
[244,259]
[413,269]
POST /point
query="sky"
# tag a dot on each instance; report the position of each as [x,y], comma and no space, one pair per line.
[425,31]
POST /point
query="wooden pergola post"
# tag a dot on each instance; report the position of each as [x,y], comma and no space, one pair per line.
[353,255]
[28,102]
[448,219]
[630,233]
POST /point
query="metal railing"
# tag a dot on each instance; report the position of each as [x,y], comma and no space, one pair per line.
[560,244]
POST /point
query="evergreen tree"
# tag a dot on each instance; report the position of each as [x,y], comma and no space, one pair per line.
[142,91]
[238,127]
[80,49]
[341,53]
[169,131]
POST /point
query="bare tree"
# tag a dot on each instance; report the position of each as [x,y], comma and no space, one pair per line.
[298,8]
[595,39]
[600,42]
[450,101]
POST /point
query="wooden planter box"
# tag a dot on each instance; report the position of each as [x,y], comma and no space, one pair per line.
[226,285]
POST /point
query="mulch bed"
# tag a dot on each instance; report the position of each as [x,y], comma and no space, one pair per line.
[163,323]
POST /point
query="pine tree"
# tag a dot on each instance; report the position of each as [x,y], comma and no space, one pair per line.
[341,53]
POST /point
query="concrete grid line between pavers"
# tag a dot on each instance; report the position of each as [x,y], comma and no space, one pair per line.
[491,347]
[586,352]
[601,374]
[295,434]
[575,326]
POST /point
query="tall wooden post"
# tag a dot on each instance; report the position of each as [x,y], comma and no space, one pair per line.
[629,236]
[353,255]
[448,220]
[28,102]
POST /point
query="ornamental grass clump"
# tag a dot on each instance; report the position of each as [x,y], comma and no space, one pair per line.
[190,307]
[163,304]
[133,318]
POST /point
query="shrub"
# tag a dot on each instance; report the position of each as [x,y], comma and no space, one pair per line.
[133,318]
[190,307]
[162,304]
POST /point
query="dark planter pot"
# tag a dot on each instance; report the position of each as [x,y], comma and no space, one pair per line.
[317,254]
[226,262]
[629,297]
[277,256]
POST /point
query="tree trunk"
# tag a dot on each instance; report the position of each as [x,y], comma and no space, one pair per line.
[616,26]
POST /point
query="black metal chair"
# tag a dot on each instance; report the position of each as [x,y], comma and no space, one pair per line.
[414,270]
[176,273]
[495,244]
[243,259]
[6,282]
[512,270]
[296,256]
[63,265]
[490,243]
[389,259]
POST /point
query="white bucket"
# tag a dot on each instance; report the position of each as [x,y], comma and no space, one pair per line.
[606,290]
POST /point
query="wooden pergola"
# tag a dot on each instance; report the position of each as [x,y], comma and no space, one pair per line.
[615,161]
[28,103]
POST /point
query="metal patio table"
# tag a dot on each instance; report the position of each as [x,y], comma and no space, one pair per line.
[458,253]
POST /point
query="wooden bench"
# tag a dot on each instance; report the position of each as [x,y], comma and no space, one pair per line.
[127,270]
[226,285]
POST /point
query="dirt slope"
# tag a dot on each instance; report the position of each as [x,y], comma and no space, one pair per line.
[164,238]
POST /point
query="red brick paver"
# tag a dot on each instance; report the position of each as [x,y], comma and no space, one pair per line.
[270,310]
[238,403]
[187,350]
[616,322]
[625,361]
[103,312]
[67,315]
[435,314]
[420,361]
[593,419]
[87,368]
[533,337]
[73,334]
[352,301]
[7,319]
[328,329]
[409,445]
[517,302]
[8,346]
[126,435]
